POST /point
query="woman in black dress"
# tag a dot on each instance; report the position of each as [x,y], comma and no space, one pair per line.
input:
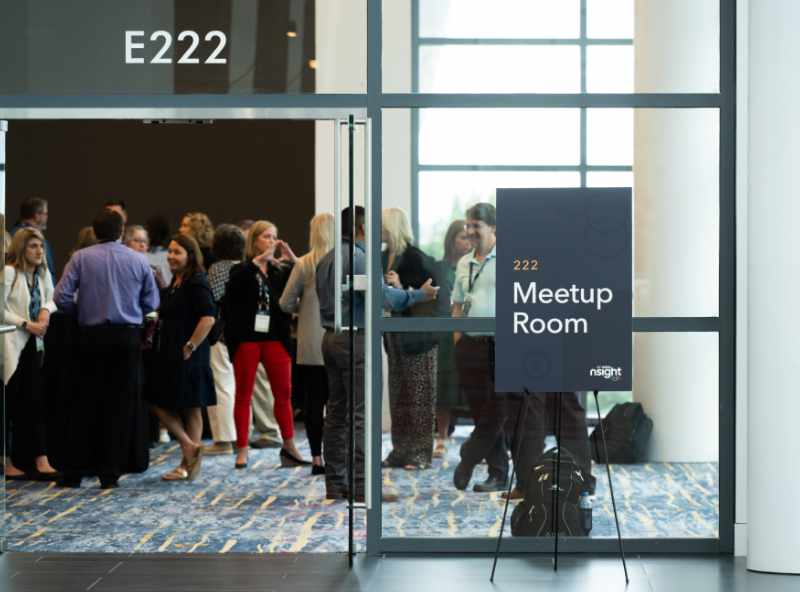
[183,383]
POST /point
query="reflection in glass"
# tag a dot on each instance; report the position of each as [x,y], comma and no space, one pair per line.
[446,195]
[673,492]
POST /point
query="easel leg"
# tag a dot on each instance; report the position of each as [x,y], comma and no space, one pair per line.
[556,505]
[517,437]
[610,486]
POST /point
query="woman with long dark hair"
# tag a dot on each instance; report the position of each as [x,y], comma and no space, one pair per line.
[456,245]
[183,383]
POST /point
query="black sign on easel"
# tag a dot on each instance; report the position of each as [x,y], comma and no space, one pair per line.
[563,308]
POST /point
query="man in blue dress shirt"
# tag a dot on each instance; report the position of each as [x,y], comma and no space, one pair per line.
[110,288]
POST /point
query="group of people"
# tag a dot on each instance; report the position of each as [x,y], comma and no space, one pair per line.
[203,321]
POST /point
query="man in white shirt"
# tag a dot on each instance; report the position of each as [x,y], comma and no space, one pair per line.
[495,413]
[474,296]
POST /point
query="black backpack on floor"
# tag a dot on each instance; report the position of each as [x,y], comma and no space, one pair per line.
[627,431]
[533,516]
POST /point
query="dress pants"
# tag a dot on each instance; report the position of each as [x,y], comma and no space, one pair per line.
[103,419]
[26,409]
[264,407]
[273,356]
[336,354]
[312,383]
[495,416]
[475,360]
[220,416]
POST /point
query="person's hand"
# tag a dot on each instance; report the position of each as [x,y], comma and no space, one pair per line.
[287,255]
[188,350]
[38,329]
[457,337]
[44,317]
[263,258]
[161,282]
[393,279]
[429,290]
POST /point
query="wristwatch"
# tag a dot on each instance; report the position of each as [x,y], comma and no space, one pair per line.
[190,345]
[24,325]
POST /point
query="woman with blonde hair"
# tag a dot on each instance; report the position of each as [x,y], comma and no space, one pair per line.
[300,297]
[412,356]
[28,304]
[257,331]
[198,225]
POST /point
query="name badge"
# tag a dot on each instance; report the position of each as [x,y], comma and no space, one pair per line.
[262,322]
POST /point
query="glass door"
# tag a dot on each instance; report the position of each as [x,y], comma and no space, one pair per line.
[3,329]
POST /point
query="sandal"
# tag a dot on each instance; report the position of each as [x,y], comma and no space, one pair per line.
[193,466]
[176,474]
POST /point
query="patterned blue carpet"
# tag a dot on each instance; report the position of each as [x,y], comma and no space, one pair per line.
[265,509]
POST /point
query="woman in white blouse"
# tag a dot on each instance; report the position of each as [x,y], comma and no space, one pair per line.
[28,304]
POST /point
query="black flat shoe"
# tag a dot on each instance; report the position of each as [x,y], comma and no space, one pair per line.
[239,465]
[69,482]
[109,484]
[20,477]
[37,475]
[290,460]
[317,470]
[491,484]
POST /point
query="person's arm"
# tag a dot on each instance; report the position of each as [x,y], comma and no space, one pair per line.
[10,315]
[293,291]
[457,311]
[201,331]
[67,287]
[458,300]
[202,303]
[149,298]
[396,299]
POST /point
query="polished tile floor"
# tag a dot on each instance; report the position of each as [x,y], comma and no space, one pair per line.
[23,572]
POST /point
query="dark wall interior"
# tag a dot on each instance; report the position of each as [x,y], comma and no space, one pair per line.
[229,169]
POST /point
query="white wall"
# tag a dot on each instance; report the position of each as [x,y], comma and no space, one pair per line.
[742,37]
[773,281]
[676,213]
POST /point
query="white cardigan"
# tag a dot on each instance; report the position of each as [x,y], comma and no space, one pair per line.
[17,306]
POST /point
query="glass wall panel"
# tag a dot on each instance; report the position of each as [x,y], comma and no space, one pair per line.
[670,157]
[444,196]
[642,46]
[437,462]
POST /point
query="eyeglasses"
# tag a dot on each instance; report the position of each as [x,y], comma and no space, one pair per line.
[473,225]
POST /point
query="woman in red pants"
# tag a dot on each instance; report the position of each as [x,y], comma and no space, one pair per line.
[256,331]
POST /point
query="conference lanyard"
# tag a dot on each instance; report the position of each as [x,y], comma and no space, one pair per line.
[262,319]
[480,270]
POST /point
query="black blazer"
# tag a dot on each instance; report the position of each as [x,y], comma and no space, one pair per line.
[240,304]
[414,267]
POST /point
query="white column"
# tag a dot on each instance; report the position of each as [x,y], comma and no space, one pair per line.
[676,214]
[774,285]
